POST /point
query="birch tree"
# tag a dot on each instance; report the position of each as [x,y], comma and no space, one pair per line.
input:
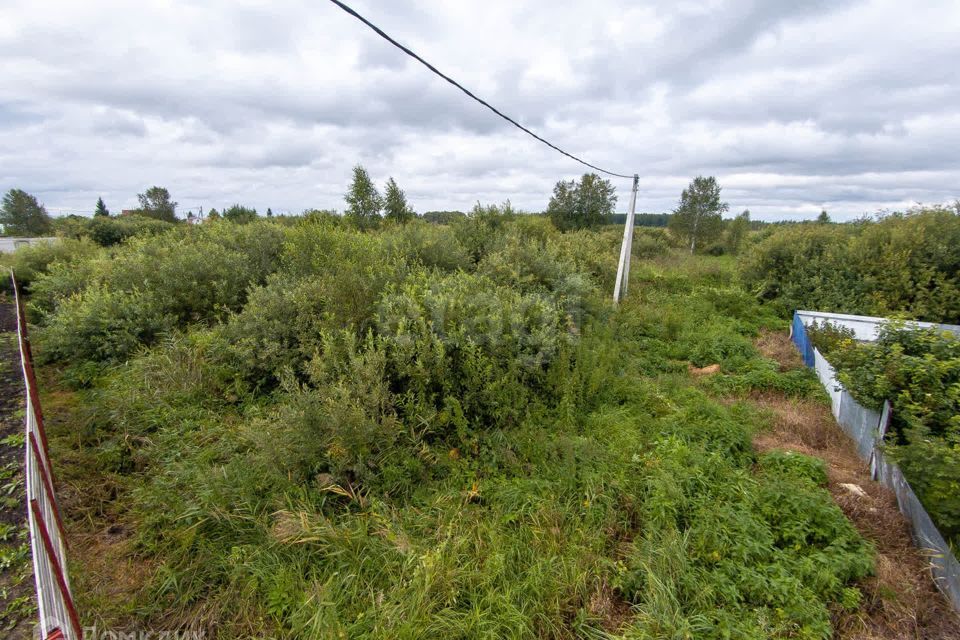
[698,218]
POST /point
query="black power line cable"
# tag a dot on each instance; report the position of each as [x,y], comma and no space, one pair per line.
[432,68]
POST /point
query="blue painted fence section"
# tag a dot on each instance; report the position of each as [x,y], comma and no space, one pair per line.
[800,338]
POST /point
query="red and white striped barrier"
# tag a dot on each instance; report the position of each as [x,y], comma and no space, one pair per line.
[58,615]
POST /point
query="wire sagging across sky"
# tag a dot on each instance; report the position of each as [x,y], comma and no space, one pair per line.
[432,68]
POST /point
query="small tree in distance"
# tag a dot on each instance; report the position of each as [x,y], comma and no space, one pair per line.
[240,214]
[22,215]
[101,211]
[269,212]
[395,205]
[824,217]
[363,200]
[155,203]
[699,216]
[737,230]
[588,203]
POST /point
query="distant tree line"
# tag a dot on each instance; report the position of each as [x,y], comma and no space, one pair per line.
[657,220]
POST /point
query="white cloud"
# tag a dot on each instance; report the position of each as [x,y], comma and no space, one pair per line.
[794,107]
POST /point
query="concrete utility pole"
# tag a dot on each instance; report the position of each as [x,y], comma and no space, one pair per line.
[623,269]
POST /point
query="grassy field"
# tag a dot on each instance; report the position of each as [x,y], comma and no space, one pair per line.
[430,431]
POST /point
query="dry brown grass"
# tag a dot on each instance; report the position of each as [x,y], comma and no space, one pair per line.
[777,346]
[900,601]
[611,609]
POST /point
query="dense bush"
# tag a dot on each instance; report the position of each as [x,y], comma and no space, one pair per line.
[107,231]
[483,228]
[150,286]
[902,264]
[461,349]
[316,431]
[110,231]
[30,261]
[428,245]
[918,371]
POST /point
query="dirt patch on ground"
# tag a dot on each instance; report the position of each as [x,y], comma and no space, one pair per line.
[17,599]
[777,346]
[900,601]
[610,608]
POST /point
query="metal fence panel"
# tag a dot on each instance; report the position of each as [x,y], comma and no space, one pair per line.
[798,333]
[58,615]
[861,424]
[867,427]
[943,564]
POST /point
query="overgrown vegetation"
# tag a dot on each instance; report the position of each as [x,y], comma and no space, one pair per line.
[426,430]
[905,265]
[918,371]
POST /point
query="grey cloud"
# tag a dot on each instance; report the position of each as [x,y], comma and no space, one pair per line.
[114,123]
[799,104]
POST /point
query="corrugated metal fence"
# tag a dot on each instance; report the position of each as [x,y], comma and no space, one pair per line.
[58,615]
[867,429]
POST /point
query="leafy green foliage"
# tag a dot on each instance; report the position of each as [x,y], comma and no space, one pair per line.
[153,284]
[395,203]
[30,261]
[918,371]
[364,202]
[22,215]
[902,264]
[239,214]
[698,217]
[427,245]
[582,205]
[442,217]
[480,231]
[775,545]
[428,430]
[101,210]
[736,233]
[155,203]
[107,231]
[828,337]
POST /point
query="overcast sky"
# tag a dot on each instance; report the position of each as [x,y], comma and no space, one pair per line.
[794,105]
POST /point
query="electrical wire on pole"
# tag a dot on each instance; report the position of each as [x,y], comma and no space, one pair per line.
[459,86]
[623,269]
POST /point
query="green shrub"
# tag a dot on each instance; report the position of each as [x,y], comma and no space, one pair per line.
[101,324]
[828,337]
[63,279]
[787,464]
[593,253]
[428,245]
[743,556]
[346,426]
[483,228]
[532,265]
[918,371]
[905,264]
[168,280]
[31,261]
[464,352]
[280,328]
[651,243]
[107,232]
